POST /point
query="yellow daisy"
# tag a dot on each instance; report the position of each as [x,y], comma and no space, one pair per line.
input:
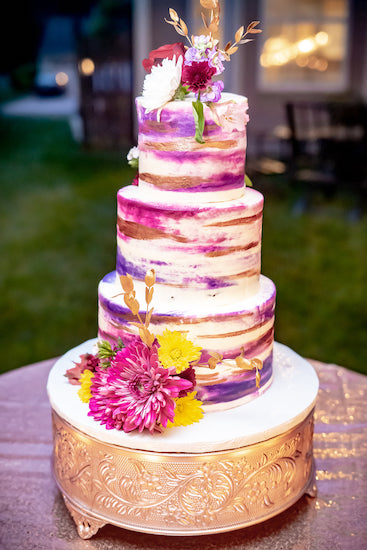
[187,411]
[176,350]
[86,382]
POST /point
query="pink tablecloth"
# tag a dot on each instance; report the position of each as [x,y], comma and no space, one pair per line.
[33,515]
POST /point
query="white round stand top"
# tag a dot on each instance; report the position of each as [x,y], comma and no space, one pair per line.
[285,404]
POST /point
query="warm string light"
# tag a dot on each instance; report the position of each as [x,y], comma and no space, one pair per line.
[61,79]
[86,66]
[279,51]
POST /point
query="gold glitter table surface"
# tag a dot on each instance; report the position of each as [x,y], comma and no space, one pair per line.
[33,515]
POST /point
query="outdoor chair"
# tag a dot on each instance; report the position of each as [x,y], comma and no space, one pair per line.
[328,149]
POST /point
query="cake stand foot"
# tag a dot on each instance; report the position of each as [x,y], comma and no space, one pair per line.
[311,489]
[87,525]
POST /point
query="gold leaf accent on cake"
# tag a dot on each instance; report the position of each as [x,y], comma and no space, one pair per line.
[148,317]
[171,182]
[238,35]
[209,4]
[142,232]
[243,364]
[146,336]
[178,23]
[148,295]
[173,15]
[231,249]
[150,278]
[257,363]
[186,145]
[240,38]
[127,283]
[237,221]
[131,302]
[249,273]
[250,364]
[258,379]
[214,359]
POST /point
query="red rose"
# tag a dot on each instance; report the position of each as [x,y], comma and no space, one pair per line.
[198,75]
[164,52]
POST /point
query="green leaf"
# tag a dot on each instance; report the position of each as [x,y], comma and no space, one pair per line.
[248,182]
[120,344]
[105,349]
[134,163]
[106,353]
[198,110]
[181,92]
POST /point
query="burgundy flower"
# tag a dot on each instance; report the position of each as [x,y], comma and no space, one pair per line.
[168,51]
[198,75]
[187,374]
[87,361]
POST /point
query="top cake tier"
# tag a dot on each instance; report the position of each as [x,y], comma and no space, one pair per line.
[172,164]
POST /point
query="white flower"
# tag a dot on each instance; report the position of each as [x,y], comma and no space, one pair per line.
[133,154]
[161,84]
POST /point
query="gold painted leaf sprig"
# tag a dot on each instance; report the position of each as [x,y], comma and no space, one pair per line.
[241,363]
[240,38]
[132,303]
[212,26]
[250,364]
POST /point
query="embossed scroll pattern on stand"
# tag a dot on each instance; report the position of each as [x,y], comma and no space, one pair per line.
[179,493]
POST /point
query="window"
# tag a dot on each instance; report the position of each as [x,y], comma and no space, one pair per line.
[304,45]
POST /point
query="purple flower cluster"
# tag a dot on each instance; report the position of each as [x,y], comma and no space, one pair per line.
[203,61]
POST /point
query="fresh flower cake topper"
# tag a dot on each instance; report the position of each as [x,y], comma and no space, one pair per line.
[150,383]
[174,70]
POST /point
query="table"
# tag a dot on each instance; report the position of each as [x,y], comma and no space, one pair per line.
[33,514]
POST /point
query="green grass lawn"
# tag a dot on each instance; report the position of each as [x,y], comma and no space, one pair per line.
[57,227]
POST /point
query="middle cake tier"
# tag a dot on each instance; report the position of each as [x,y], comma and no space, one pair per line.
[201,253]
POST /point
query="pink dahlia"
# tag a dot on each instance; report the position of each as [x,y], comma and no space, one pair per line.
[197,76]
[99,403]
[137,392]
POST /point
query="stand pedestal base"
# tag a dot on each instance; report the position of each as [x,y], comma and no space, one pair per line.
[180,493]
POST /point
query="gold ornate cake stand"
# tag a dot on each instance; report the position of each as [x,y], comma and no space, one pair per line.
[180,493]
[233,469]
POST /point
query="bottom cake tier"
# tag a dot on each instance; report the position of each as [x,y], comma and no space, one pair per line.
[247,325]
[233,469]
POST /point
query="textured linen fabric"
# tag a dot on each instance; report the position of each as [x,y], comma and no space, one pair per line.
[33,514]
